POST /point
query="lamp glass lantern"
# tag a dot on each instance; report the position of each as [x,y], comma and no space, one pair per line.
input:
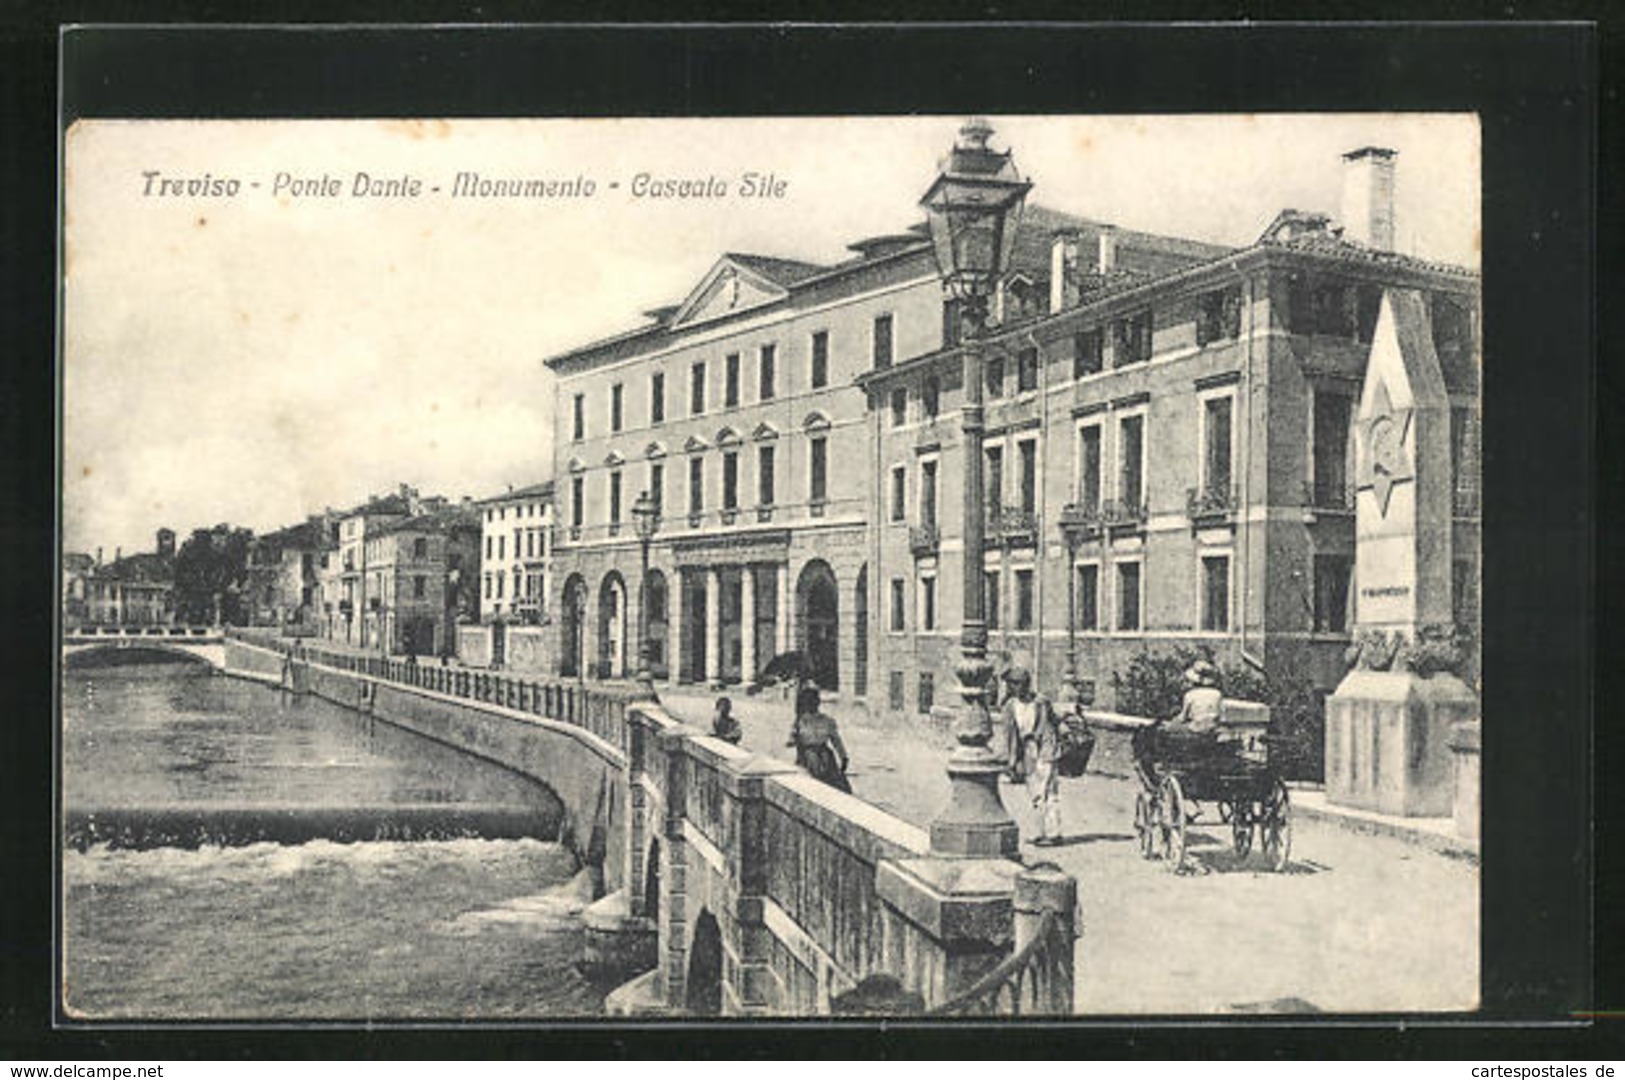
[973,208]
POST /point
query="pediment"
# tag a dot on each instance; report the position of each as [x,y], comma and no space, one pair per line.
[614,458]
[727,436]
[577,465]
[695,444]
[816,421]
[765,430]
[728,288]
[654,450]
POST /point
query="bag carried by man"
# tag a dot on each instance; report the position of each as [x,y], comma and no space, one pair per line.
[1077,745]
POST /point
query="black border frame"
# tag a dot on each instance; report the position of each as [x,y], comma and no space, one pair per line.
[1537,89]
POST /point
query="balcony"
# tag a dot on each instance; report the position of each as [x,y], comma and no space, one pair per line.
[1124,515]
[730,515]
[695,517]
[1081,522]
[924,540]
[1210,506]
[1328,498]
[764,513]
[1012,526]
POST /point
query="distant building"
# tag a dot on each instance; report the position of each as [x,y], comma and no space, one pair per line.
[283,583]
[349,613]
[414,570]
[77,570]
[134,590]
[515,554]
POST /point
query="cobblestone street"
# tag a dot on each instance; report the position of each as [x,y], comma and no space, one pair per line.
[1357,923]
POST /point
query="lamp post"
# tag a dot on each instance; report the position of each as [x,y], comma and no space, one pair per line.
[1075,523]
[973,207]
[645,519]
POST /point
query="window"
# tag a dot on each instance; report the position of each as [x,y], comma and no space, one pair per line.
[499,579]
[928,602]
[578,425]
[657,398]
[730,480]
[614,500]
[766,371]
[1088,597]
[1026,370]
[1330,438]
[899,407]
[993,381]
[953,317]
[928,492]
[502,548]
[1133,339]
[420,547]
[696,485]
[931,397]
[616,393]
[1128,596]
[1215,592]
[764,476]
[899,493]
[1218,316]
[577,501]
[928,691]
[696,389]
[1027,451]
[990,599]
[820,359]
[730,381]
[1332,574]
[883,341]
[1130,475]
[657,485]
[1024,599]
[894,691]
[993,482]
[530,543]
[1464,466]
[898,614]
[818,472]
[488,587]
[420,586]
[1086,353]
[1216,446]
[1089,467]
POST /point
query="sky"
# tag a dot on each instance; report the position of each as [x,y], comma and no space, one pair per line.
[256,356]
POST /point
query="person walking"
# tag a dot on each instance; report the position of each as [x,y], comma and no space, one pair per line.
[1033,745]
[724,725]
[817,741]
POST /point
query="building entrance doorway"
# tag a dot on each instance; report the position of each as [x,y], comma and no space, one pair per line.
[818,619]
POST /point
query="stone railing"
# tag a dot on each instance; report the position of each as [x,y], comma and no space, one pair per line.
[598,710]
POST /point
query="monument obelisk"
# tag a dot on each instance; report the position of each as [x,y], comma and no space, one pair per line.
[1388,724]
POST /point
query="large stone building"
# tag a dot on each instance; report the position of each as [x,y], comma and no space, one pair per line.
[515,549]
[415,569]
[799,426]
[283,587]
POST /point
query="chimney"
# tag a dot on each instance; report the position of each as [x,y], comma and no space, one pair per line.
[118,553]
[1063,267]
[98,556]
[1368,197]
[1107,260]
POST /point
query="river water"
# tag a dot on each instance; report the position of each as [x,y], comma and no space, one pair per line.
[237,853]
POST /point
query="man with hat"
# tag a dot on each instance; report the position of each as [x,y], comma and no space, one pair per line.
[1033,744]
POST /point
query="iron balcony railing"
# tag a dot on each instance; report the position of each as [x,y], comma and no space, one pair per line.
[1012,524]
[1080,521]
[1124,514]
[1210,504]
[924,539]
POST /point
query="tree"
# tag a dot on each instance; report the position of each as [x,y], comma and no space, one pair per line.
[210,567]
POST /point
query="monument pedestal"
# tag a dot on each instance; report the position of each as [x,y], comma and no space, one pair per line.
[1388,741]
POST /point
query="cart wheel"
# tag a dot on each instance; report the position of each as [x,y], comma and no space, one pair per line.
[1145,823]
[1172,823]
[1241,829]
[1276,827]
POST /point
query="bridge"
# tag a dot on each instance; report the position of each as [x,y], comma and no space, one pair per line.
[729,883]
[81,644]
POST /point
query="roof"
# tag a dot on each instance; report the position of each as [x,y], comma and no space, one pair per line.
[543,490]
[1333,245]
[786,272]
[77,562]
[304,534]
[438,521]
[145,567]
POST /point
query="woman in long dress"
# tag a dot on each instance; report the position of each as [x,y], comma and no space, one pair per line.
[817,740]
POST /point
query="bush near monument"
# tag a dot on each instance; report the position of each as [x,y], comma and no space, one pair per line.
[1153,685]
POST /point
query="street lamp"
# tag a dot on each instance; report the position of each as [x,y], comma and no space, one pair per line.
[645,519]
[1076,521]
[973,207]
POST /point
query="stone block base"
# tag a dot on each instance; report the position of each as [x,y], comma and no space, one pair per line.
[1388,741]
[616,942]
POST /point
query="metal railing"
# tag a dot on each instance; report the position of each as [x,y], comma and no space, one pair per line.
[1209,503]
[1012,524]
[1019,984]
[924,539]
[1122,514]
[598,710]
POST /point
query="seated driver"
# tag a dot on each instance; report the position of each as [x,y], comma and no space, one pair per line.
[1204,702]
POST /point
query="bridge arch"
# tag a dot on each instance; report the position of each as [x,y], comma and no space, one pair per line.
[703,987]
[111,653]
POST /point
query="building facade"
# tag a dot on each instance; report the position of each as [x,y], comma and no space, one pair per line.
[414,569]
[349,613]
[283,576]
[134,590]
[1187,406]
[516,544]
